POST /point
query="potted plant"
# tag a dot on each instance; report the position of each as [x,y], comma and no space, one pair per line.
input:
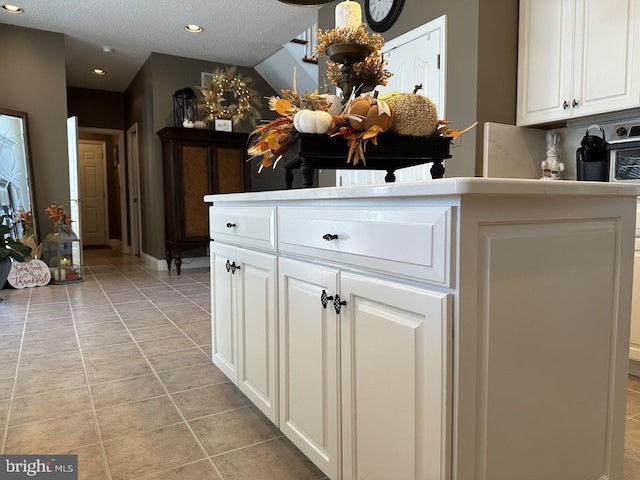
[9,249]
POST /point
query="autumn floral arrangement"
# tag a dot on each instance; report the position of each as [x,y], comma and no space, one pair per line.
[28,238]
[359,122]
[306,113]
[371,71]
[59,216]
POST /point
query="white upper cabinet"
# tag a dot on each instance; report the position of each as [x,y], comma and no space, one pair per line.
[577,58]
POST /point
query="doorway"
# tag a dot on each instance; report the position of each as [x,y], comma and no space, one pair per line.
[92,176]
[114,207]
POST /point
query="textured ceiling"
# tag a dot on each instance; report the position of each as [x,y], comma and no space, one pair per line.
[236,32]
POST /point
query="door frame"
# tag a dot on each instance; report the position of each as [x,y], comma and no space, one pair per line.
[134,234]
[105,184]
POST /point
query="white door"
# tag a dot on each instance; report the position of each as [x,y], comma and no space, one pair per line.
[91,170]
[309,393]
[416,57]
[74,188]
[395,354]
[223,308]
[257,334]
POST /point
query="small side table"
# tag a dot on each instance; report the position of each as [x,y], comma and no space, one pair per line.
[393,152]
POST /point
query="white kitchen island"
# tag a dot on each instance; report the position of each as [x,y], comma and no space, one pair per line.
[454,329]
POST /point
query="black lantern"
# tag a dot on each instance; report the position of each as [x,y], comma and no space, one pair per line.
[184,107]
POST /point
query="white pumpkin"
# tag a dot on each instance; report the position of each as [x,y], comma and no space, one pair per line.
[309,121]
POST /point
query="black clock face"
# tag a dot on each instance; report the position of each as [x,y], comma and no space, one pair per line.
[381,14]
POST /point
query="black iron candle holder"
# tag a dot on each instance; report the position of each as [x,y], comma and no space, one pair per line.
[347,54]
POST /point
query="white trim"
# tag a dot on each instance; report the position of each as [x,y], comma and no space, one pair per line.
[133,245]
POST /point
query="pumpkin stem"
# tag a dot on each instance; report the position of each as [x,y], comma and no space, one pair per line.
[416,88]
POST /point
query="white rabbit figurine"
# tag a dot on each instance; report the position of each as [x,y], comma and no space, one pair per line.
[552,168]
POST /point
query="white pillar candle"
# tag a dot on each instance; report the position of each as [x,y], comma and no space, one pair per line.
[348,14]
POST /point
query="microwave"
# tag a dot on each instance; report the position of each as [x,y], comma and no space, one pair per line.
[624,154]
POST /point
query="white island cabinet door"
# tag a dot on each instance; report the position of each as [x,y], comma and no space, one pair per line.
[396,389]
[257,335]
[223,307]
[309,393]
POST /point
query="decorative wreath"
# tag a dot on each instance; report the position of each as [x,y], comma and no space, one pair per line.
[215,101]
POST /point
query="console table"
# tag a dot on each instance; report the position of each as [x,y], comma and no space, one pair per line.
[393,152]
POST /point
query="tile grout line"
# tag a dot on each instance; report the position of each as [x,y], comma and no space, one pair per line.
[156,306]
[199,443]
[5,435]
[86,377]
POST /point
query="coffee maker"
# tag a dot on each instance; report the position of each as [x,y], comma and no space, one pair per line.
[592,157]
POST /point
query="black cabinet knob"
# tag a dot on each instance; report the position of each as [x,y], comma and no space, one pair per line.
[565,105]
[324,299]
[337,304]
[231,225]
[228,265]
[574,104]
[328,237]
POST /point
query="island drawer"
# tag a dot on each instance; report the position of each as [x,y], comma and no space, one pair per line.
[244,226]
[414,243]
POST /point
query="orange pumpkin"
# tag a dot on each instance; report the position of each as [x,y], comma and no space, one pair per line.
[367,112]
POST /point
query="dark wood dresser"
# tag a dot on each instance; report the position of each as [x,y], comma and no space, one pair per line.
[197,162]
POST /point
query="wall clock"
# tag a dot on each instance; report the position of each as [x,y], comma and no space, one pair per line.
[381,14]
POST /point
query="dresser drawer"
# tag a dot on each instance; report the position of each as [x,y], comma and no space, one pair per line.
[413,243]
[254,227]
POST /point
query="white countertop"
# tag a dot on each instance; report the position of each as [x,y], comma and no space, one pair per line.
[442,187]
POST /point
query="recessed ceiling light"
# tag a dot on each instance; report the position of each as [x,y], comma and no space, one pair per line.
[12,8]
[98,71]
[193,28]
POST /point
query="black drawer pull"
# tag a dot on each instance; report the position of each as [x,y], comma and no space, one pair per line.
[231,225]
[228,265]
[328,237]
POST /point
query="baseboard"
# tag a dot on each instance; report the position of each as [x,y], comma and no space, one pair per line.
[634,368]
[187,262]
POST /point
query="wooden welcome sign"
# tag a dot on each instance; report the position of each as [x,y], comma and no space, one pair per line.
[34,273]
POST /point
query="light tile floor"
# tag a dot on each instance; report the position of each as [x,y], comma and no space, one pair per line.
[117,370]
